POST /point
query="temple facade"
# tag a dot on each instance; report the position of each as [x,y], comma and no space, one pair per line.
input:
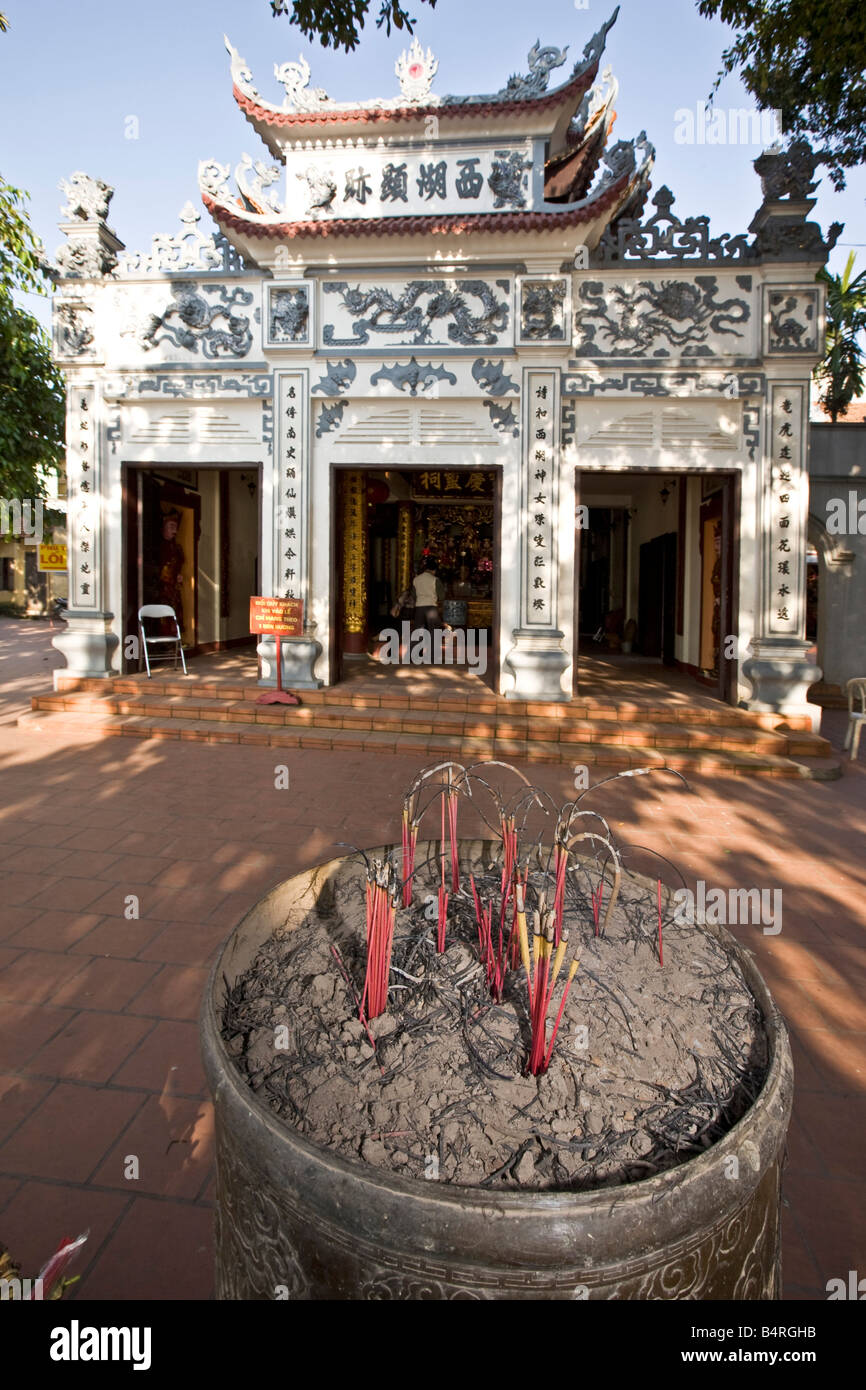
[448,326]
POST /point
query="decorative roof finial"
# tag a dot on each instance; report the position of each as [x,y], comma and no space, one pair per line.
[416,70]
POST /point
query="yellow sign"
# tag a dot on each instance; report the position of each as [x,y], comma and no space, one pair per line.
[52,558]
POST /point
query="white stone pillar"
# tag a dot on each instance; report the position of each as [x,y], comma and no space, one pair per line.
[537,660]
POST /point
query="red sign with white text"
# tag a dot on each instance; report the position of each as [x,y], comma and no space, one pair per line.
[277,617]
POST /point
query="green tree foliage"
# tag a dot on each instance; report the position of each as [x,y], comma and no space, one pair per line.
[840,373]
[339,22]
[804,58]
[32,397]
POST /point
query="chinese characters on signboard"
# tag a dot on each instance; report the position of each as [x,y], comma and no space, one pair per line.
[83,498]
[539,499]
[364,182]
[451,485]
[786,499]
[291,538]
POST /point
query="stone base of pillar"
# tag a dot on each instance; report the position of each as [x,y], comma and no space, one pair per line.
[87,644]
[299,655]
[537,663]
[780,677]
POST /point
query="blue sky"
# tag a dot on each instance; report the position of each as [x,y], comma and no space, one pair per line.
[71,75]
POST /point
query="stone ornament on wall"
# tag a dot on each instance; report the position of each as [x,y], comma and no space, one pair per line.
[84,258]
[189,249]
[87,199]
[492,377]
[660,318]
[437,312]
[289,319]
[195,323]
[731,385]
[544,309]
[177,386]
[792,320]
[414,375]
[337,379]
[73,331]
[503,417]
[664,238]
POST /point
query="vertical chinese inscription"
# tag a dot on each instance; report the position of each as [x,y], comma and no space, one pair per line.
[787,503]
[82,473]
[292,465]
[539,498]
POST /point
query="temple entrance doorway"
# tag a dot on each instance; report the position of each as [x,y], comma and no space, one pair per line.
[656,563]
[388,526]
[191,541]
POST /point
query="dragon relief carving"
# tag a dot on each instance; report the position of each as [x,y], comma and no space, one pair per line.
[300,96]
[631,320]
[190,322]
[379,311]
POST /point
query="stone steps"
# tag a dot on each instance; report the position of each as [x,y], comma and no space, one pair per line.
[479,701]
[101,722]
[503,722]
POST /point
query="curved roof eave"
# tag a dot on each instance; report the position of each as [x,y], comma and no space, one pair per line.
[560,216]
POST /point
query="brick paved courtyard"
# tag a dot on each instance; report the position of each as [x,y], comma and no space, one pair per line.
[98,1034]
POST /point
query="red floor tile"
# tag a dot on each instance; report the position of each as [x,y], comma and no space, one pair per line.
[172,1139]
[37,975]
[162,1249]
[90,1047]
[19,1096]
[169,1059]
[175,993]
[69,1133]
[57,930]
[105,983]
[41,1214]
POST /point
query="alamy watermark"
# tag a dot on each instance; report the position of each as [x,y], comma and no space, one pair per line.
[846,516]
[443,647]
[729,907]
[739,125]
[21,518]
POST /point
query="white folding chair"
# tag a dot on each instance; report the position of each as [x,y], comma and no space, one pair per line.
[159,610]
[856,692]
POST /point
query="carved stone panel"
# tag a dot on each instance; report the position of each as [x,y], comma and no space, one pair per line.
[183,320]
[792,320]
[695,317]
[411,313]
[289,315]
[74,331]
[544,309]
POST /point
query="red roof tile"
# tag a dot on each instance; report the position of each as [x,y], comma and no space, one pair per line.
[572,90]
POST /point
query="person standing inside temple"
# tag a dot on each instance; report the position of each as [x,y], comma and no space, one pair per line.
[429,592]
